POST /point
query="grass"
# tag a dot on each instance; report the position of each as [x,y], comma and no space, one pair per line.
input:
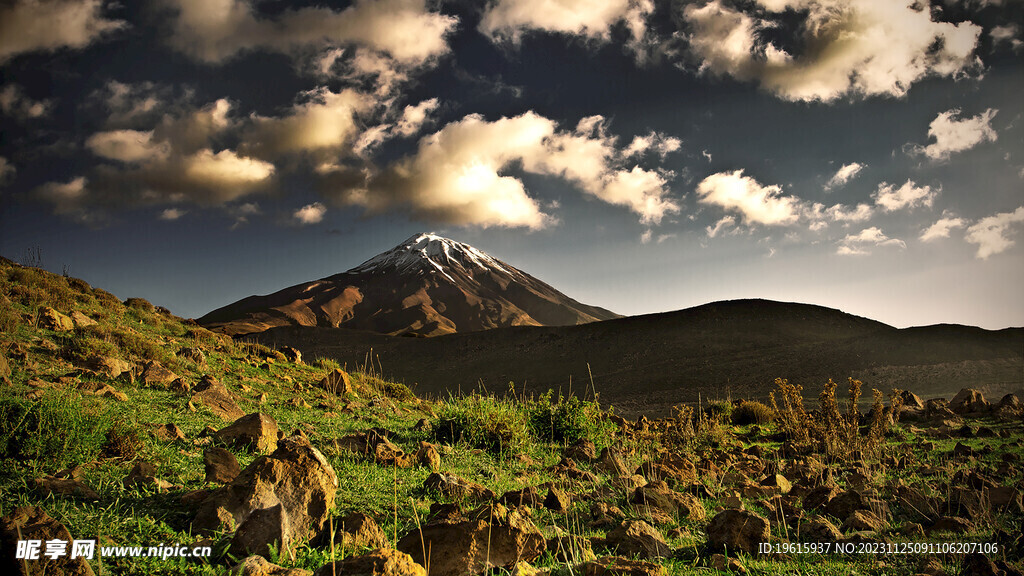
[505,443]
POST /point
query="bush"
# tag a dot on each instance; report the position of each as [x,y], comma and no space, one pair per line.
[498,426]
[568,420]
[752,412]
[388,388]
[59,429]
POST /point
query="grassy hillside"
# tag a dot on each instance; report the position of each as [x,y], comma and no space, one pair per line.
[65,415]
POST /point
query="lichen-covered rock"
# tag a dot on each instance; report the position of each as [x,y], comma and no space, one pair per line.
[256,431]
[737,530]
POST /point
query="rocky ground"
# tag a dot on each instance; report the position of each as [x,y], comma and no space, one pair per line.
[122,423]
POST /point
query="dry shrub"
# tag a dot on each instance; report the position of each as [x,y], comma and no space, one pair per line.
[752,412]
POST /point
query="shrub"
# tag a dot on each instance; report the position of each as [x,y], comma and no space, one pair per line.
[498,426]
[752,412]
[567,420]
[387,388]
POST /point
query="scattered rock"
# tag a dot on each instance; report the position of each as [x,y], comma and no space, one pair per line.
[953,524]
[337,382]
[81,320]
[353,532]
[292,355]
[32,523]
[490,536]
[610,461]
[571,549]
[528,496]
[381,562]
[194,355]
[169,433]
[846,503]
[721,563]
[50,319]
[582,450]
[263,528]
[618,566]
[296,476]
[818,529]
[737,530]
[557,500]
[969,401]
[657,494]
[638,538]
[256,431]
[260,566]
[143,475]
[154,373]
[979,565]
[221,465]
[214,395]
[428,456]
[67,486]
[457,488]
[863,520]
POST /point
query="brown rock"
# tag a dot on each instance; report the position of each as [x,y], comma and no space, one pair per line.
[259,566]
[194,355]
[50,319]
[256,431]
[380,562]
[528,496]
[143,475]
[952,524]
[618,566]
[221,465]
[582,450]
[723,564]
[337,382]
[169,433]
[737,530]
[557,500]
[81,320]
[571,549]
[263,528]
[457,488]
[979,565]
[818,529]
[67,486]
[292,355]
[428,456]
[610,461]
[861,520]
[214,395]
[636,537]
[969,401]
[353,532]
[658,495]
[846,503]
[154,373]
[32,523]
[296,476]
[491,536]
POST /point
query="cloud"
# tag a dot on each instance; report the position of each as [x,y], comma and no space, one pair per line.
[840,213]
[660,143]
[130,146]
[216,30]
[49,25]
[14,103]
[7,171]
[413,117]
[952,134]
[855,48]
[323,122]
[310,214]
[66,197]
[741,194]
[909,195]
[509,19]
[130,105]
[459,174]
[942,228]
[645,237]
[1009,34]
[856,244]
[843,175]
[724,223]
[991,233]
[171,214]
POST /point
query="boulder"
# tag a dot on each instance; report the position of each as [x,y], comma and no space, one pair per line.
[380,562]
[737,530]
[260,566]
[428,456]
[557,500]
[353,532]
[154,373]
[819,529]
[489,537]
[969,401]
[528,496]
[457,488]
[194,355]
[292,355]
[32,523]
[66,486]
[256,431]
[618,566]
[296,476]
[108,366]
[846,503]
[213,394]
[221,465]
[263,528]
[582,450]
[337,382]
[50,319]
[81,320]
[611,461]
[638,538]
[658,495]
[862,520]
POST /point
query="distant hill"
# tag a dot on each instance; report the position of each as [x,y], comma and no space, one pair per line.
[648,363]
[425,286]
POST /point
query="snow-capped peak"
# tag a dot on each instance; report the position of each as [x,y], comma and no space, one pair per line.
[428,251]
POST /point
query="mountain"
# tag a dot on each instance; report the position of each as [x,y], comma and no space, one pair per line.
[646,364]
[425,286]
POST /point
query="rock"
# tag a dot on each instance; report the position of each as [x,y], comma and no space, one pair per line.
[337,382]
[953,524]
[214,395]
[911,400]
[428,456]
[657,494]
[256,431]
[169,433]
[582,450]
[638,538]
[491,536]
[263,528]
[295,476]
[618,566]
[381,562]
[818,497]
[143,475]
[670,467]
[1006,497]
[737,530]
[457,488]
[194,355]
[778,481]
[571,549]
[863,520]
[292,355]
[81,320]
[528,496]
[353,532]
[846,503]
[155,373]
[259,566]
[610,461]
[50,319]
[67,486]
[722,564]
[818,529]
[221,465]
[969,401]
[32,523]
[977,564]
[557,500]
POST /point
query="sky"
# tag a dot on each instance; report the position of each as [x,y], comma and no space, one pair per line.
[640,155]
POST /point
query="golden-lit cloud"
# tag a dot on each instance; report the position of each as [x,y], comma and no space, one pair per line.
[745,196]
[48,25]
[953,134]
[909,195]
[509,19]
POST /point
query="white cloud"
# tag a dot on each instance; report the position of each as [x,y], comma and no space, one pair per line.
[458,174]
[1009,34]
[310,214]
[856,244]
[413,117]
[324,122]
[660,143]
[66,197]
[909,195]
[646,236]
[14,103]
[508,19]
[724,223]
[847,47]
[843,175]
[942,227]
[131,146]
[952,134]
[216,30]
[840,213]
[130,105]
[741,194]
[991,233]
[171,214]
[36,25]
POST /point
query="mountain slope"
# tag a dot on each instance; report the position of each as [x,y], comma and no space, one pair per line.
[648,363]
[425,286]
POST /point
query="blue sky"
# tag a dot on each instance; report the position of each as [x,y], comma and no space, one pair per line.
[640,155]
